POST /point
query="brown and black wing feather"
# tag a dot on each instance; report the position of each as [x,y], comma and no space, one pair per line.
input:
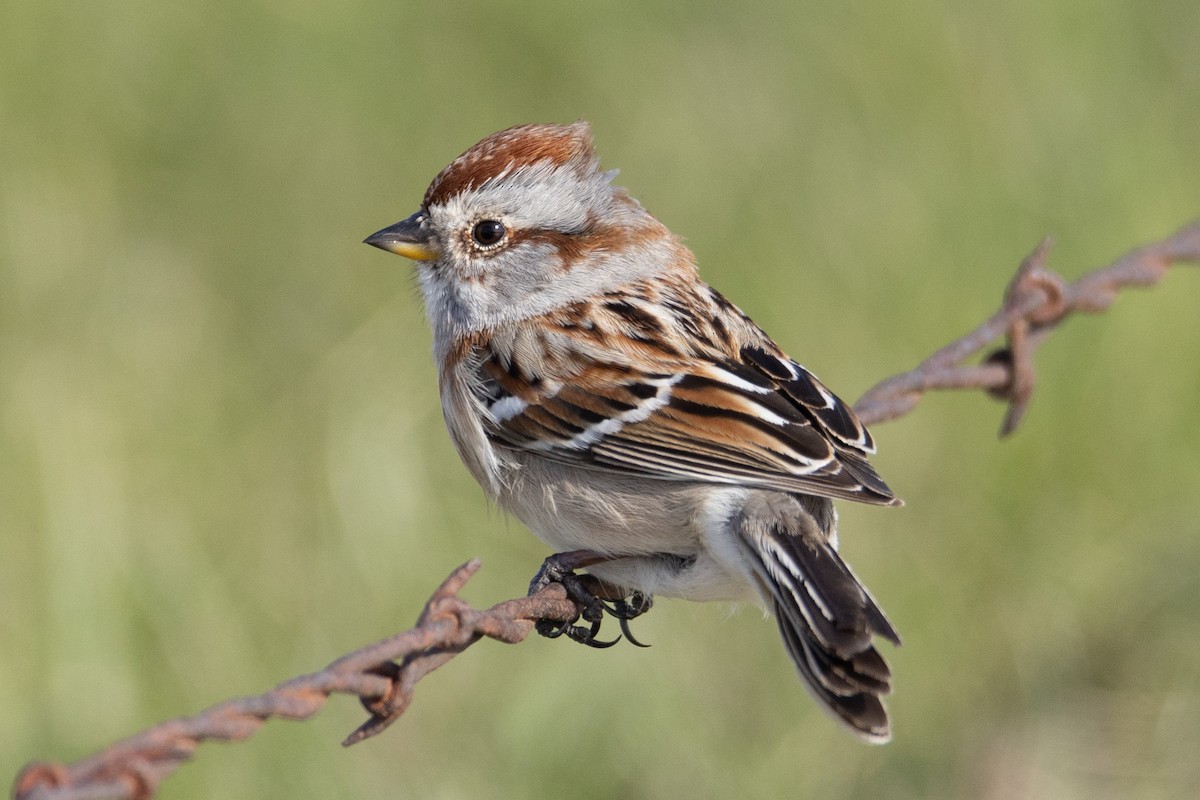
[764,422]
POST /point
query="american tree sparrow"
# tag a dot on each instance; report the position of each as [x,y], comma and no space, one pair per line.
[617,405]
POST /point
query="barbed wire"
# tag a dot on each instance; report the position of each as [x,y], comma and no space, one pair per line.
[383,675]
[1036,302]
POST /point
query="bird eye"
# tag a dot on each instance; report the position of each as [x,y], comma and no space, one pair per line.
[488,232]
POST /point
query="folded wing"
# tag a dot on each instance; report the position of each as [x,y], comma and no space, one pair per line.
[761,421]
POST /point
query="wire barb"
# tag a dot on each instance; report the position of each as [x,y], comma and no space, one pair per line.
[1036,302]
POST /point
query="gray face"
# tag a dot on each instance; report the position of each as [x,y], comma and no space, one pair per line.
[568,234]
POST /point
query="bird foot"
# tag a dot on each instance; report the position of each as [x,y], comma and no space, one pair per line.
[590,594]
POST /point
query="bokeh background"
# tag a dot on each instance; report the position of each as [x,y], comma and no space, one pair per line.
[222,461]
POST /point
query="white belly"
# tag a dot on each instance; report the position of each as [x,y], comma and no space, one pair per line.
[572,508]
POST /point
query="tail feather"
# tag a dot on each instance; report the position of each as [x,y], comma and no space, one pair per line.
[857,706]
[865,671]
[826,617]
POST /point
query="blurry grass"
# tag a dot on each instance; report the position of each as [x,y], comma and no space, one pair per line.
[221,455]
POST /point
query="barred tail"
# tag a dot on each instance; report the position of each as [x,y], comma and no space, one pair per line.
[827,618]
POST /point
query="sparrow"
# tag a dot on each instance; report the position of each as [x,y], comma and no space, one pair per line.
[632,417]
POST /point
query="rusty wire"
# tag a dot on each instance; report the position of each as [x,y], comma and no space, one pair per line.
[1036,302]
[383,675]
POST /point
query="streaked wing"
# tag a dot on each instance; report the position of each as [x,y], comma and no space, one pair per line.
[763,421]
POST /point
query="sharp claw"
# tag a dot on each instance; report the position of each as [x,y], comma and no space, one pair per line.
[588,636]
[632,608]
[625,630]
[601,645]
[551,629]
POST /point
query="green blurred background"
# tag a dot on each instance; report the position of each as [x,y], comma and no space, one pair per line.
[222,460]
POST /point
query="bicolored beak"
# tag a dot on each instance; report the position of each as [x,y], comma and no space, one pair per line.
[412,238]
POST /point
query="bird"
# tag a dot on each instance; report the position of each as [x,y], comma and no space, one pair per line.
[633,418]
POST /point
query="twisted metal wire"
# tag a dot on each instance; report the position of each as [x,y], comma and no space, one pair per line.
[1036,302]
[381,675]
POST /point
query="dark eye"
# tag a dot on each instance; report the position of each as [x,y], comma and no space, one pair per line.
[488,232]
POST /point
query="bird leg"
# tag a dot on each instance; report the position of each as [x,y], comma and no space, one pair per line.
[590,593]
